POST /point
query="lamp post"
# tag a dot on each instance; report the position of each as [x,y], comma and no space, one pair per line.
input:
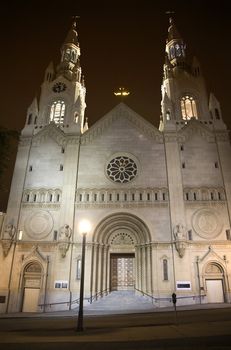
[84,229]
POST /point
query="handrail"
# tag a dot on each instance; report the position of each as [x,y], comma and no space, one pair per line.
[76,301]
[98,294]
[168,298]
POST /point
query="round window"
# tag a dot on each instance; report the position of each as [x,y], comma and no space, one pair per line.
[122,169]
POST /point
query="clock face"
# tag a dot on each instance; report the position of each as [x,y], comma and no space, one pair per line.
[59,87]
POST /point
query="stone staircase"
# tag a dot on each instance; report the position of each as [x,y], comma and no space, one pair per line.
[121,302]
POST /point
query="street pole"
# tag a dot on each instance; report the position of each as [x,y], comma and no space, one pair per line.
[81,294]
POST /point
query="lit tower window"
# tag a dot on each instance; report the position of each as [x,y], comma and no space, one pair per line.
[188,107]
[57,112]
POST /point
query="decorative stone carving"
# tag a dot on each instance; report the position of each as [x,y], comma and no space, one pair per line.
[6,245]
[122,238]
[9,232]
[180,237]
[38,224]
[65,233]
[8,238]
[206,223]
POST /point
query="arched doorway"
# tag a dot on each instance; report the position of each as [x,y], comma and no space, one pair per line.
[121,255]
[31,287]
[214,281]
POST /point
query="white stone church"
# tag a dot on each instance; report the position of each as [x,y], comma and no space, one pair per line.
[158,200]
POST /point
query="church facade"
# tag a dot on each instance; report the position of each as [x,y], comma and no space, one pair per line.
[158,200]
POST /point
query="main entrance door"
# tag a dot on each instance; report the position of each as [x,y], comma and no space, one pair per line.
[122,271]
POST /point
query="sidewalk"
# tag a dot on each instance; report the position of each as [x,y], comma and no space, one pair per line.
[90,310]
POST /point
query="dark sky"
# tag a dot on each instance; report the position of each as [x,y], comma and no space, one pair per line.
[122,44]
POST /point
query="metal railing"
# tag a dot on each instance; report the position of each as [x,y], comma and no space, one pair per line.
[76,301]
[169,299]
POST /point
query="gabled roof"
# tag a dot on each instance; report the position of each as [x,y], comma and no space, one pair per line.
[193,127]
[52,131]
[122,111]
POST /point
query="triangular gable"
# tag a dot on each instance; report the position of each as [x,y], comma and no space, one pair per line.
[51,131]
[209,254]
[193,127]
[35,254]
[121,111]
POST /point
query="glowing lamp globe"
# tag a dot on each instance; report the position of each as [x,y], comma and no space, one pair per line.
[84,226]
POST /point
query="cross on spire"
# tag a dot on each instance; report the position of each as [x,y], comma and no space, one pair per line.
[169,13]
[74,24]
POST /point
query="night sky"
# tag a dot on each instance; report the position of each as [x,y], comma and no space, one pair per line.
[122,44]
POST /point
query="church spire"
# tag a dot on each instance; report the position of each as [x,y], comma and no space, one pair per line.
[175,47]
[70,53]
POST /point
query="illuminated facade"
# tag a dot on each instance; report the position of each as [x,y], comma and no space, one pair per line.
[159,200]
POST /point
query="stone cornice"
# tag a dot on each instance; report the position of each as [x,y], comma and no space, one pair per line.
[54,206]
[160,204]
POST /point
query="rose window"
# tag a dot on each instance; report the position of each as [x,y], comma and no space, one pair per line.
[122,169]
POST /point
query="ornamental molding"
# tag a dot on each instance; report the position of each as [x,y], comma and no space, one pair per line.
[211,253]
[193,127]
[38,224]
[124,112]
[207,223]
[24,141]
[52,206]
[222,136]
[34,254]
[6,245]
[50,131]
[122,205]
[72,140]
[170,137]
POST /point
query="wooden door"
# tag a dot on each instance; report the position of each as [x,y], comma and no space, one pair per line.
[122,272]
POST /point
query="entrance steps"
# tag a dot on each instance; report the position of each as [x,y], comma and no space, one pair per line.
[121,302]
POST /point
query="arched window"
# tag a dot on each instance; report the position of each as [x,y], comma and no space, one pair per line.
[217,114]
[168,115]
[165,269]
[178,50]
[57,112]
[188,107]
[172,52]
[29,120]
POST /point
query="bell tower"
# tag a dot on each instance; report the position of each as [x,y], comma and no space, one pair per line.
[62,98]
[184,94]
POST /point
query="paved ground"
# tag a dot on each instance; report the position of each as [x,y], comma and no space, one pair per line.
[153,329]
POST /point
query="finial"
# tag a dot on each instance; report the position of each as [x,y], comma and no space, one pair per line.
[169,13]
[122,93]
[74,24]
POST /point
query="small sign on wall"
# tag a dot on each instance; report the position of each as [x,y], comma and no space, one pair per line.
[61,284]
[183,285]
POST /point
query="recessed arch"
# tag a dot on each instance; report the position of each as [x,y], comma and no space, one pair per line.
[32,283]
[125,221]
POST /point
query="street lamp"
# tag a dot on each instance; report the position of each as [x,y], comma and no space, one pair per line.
[84,228]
